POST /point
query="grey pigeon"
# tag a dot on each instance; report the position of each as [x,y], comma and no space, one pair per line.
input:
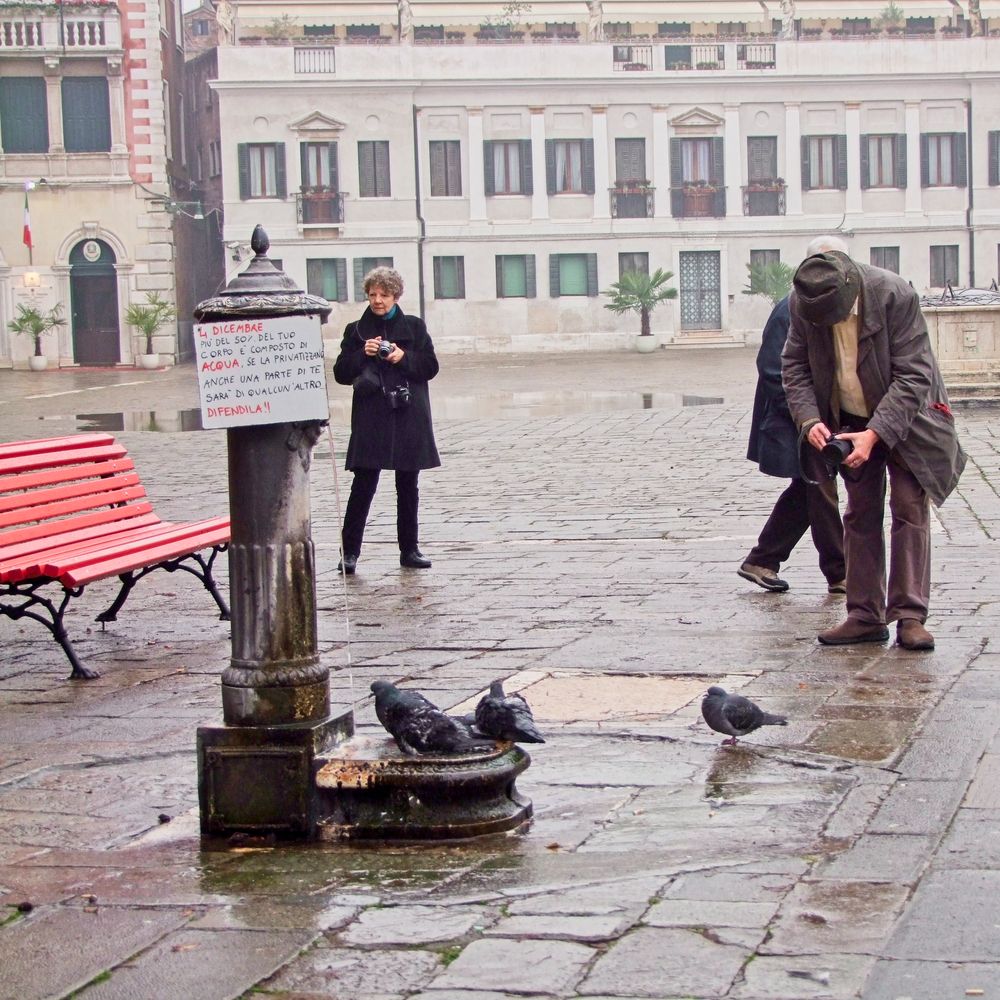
[418,726]
[506,717]
[734,715]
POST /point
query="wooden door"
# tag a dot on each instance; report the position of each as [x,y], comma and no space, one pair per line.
[94,297]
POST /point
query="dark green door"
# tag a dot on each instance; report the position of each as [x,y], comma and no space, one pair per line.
[93,289]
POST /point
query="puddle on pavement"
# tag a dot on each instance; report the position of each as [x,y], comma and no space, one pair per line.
[485,405]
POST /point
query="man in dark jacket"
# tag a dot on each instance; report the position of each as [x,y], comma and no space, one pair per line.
[803,505]
[858,365]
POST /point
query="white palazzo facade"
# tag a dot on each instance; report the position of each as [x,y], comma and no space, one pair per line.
[512,166]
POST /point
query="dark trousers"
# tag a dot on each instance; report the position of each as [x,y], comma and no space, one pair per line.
[909,587]
[804,505]
[360,501]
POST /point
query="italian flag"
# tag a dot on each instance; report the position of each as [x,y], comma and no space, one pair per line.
[27,223]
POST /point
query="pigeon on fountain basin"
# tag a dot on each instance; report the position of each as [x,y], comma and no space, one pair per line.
[418,726]
[733,715]
[506,717]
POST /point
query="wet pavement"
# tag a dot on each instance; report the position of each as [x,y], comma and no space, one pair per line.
[585,528]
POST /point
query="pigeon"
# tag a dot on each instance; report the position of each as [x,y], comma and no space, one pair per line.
[418,726]
[506,717]
[735,715]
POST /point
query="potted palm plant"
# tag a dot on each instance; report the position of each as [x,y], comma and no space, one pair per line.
[638,292]
[773,281]
[36,324]
[147,318]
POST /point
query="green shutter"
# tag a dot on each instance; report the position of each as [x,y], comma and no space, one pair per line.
[437,279]
[527,168]
[587,159]
[899,157]
[676,179]
[334,168]
[993,145]
[960,171]
[489,178]
[303,167]
[86,114]
[530,290]
[804,159]
[280,173]
[592,288]
[24,116]
[498,265]
[865,162]
[366,171]
[341,271]
[554,275]
[925,161]
[840,161]
[314,276]
[359,279]
[243,159]
[550,166]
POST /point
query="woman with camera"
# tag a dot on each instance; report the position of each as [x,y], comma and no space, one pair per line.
[388,357]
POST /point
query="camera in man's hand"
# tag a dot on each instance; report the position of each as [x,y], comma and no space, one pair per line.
[385,348]
[835,451]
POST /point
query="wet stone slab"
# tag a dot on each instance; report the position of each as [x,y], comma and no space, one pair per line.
[586,929]
[710,913]
[890,980]
[655,962]
[411,925]
[804,977]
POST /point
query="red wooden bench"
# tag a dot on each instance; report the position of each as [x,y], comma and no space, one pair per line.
[73,511]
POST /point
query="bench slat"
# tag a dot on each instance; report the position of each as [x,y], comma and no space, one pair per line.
[168,549]
[65,474]
[38,445]
[60,509]
[64,456]
[53,531]
[96,489]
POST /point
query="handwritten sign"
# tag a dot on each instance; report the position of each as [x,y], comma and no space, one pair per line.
[260,371]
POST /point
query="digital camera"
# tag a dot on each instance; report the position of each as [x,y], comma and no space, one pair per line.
[385,348]
[835,450]
[399,398]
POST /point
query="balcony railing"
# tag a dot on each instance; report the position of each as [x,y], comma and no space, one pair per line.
[632,201]
[694,56]
[764,198]
[697,202]
[49,33]
[632,57]
[319,207]
[757,55]
[319,59]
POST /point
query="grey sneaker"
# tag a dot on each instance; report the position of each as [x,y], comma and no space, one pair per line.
[762,576]
[840,587]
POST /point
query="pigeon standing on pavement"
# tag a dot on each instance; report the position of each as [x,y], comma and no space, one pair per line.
[734,715]
[418,726]
[506,717]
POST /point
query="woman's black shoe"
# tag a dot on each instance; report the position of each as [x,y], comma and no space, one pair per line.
[414,559]
[348,565]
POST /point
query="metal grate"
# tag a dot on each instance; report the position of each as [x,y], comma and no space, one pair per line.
[315,60]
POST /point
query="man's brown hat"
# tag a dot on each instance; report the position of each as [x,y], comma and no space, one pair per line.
[826,286]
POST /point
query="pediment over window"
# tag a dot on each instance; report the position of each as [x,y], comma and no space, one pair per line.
[317,122]
[696,119]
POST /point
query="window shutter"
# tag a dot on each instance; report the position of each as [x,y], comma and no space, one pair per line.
[86,114]
[592,288]
[805,162]
[489,181]
[382,185]
[359,279]
[437,277]
[925,161]
[303,166]
[554,275]
[366,169]
[531,290]
[840,153]
[334,171]
[498,266]
[454,166]
[993,142]
[587,158]
[899,158]
[676,179]
[865,158]
[550,166]
[314,276]
[439,182]
[24,119]
[527,168]
[243,159]
[718,162]
[460,276]
[280,173]
[340,269]
[960,169]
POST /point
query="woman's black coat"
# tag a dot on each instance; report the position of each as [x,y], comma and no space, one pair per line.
[773,436]
[383,438]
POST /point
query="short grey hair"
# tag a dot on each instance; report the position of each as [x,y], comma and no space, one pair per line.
[386,278]
[823,244]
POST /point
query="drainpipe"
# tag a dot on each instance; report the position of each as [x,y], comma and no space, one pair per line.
[422,229]
[968,211]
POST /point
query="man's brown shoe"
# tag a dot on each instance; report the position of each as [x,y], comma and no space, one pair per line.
[852,630]
[910,634]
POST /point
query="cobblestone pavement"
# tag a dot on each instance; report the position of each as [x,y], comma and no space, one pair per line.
[585,529]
